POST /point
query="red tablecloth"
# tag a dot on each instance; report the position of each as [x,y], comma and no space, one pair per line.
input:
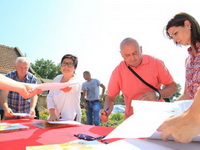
[18,140]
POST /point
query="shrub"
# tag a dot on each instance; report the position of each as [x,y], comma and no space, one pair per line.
[44,114]
[114,119]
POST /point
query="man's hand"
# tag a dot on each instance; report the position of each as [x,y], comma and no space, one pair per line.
[8,112]
[151,96]
[104,116]
[26,91]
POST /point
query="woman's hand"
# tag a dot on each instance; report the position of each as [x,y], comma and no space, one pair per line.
[183,128]
[67,89]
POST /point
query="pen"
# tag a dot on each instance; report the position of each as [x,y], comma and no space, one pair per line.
[105,110]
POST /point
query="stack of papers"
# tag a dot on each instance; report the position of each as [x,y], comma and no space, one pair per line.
[7,127]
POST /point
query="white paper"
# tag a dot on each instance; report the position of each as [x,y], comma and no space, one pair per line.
[52,86]
[148,144]
[23,115]
[12,126]
[157,135]
[148,116]
[135,144]
[138,126]
[69,122]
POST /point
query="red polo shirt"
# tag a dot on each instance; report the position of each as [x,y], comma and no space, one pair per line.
[152,70]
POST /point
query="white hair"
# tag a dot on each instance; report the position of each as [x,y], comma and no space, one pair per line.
[22,59]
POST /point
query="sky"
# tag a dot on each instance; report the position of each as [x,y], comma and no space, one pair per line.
[92,30]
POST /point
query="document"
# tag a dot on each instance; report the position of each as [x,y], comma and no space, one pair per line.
[8,127]
[73,145]
[68,122]
[52,86]
[23,115]
[147,117]
[135,144]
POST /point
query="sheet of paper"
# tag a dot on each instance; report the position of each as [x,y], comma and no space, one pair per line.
[73,145]
[23,115]
[69,122]
[135,144]
[176,145]
[138,126]
[148,116]
[7,127]
[148,144]
[52,86]
[157,135]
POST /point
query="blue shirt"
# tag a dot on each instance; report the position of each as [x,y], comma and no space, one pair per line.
[15,101]
[92,89]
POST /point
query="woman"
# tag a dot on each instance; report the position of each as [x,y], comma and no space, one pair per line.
[185,30]
[65,104]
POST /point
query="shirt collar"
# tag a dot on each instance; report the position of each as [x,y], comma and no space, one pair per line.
[197,46]
[25,78]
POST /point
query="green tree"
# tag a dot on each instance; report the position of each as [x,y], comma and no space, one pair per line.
[177,94]
[46,69]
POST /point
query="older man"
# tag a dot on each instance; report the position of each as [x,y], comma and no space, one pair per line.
[149,68]
[13,102]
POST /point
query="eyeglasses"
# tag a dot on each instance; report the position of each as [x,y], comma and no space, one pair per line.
[69,64]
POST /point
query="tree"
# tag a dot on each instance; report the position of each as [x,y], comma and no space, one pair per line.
[46,69]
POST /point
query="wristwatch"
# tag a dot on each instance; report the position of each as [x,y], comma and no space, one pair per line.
[158,96]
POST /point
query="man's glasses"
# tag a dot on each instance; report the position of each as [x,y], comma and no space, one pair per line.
[69,64]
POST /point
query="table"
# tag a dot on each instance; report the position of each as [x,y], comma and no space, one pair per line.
[18,140]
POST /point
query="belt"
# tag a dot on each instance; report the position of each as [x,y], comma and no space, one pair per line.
[94,101]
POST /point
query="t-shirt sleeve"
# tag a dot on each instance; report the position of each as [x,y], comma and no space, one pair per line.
[114,83]
[165,77]
[83,87]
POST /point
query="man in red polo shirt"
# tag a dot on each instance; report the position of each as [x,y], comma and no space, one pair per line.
[151,69]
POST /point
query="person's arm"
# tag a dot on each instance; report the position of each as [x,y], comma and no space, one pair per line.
[166,92]
[103,91]
[185,126]
[22,88]
[184,96]
[33,104]
[84,99]
[108,106]
[169,90]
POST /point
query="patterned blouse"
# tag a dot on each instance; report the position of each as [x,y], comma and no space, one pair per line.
[193,71]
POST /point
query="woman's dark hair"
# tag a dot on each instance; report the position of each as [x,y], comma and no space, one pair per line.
[179,19]
[72,57]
